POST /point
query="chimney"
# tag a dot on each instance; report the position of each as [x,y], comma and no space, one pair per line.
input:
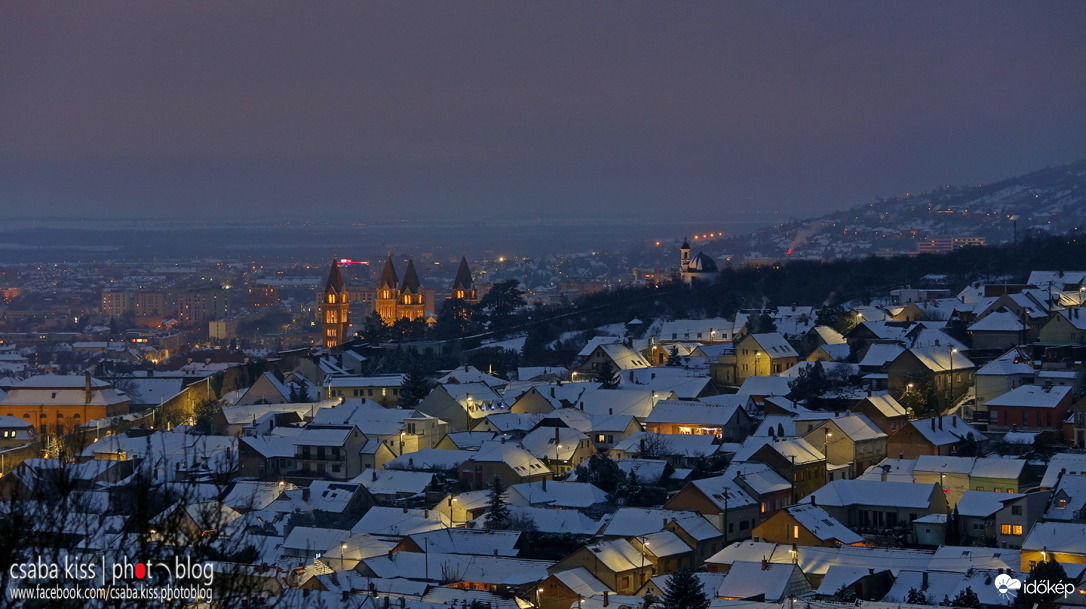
[344,596]
[765,564]
[305,494]
[933,424]
[373,478]
[386,601]
[403,602]
[544,484]
[552,392]
[426,513]
[606,600]
[953,421]
[86,388]
[405,509]
[814,500]
[940,422]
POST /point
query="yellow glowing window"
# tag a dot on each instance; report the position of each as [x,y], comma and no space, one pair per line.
[1016,529]
[1004,529]
[795,531]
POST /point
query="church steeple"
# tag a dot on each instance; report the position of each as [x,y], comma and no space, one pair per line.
[410,279]
[463,286]
[389,281]
[334,309]
[411,305]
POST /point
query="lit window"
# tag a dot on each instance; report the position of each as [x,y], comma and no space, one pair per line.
[1016,529]
[795,531]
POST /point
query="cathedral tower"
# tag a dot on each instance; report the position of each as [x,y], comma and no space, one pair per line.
[334,309]
[463,287]
[412,305]
[388,292]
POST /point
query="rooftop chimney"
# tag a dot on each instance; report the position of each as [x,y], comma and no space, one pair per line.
[606,601]
[954,421]
[765,564]
[940,422]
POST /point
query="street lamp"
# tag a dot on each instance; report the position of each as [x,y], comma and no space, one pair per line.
[826,444]
[538,591]
[757,354]
[950,400]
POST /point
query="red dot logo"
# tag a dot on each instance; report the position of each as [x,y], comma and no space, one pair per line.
[141,571]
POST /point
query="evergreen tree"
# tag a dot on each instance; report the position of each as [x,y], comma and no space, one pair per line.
[607,375]
[673,356]
[953,528]
[374,331]
[684,591]
[809,384]
[845,594]
[601,471]
[416,386]
[965,598]
[917,596]
[1047,571]
[498,516]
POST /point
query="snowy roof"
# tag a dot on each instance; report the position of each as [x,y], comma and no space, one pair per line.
[821,524]
[799,448]
[858,427]
[616,554]
[896,470]
[1068,498]
[690,445]
[841,493]
[944,465]
[516,457]
[427,459]
[400,521]
[394,482]
[254,495]
[692,413]
[634,402]
[469,541]
[887,405]
[765,386]
[624,357]
[751,579]
[878,355]
[578,495]
[665,543]
[774,345]
[555,520]
[1032,396]
[632,522]
[581,581]
[1015,361]
[366,415]
[553,442]
[755,477]
[948,429]
[470,375]
[828,335]
[983,504]
[495,570]
[776,425]
[841,575]
[994,467]
[940,359]
[1063,537]
[1000,321]
[717,488]
[1068,463]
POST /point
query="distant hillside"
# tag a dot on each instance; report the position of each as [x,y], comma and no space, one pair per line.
[1050,201]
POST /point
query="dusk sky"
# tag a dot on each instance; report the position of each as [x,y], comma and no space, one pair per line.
[361,110]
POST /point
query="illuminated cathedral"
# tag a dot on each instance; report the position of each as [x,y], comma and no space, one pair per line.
[392,300]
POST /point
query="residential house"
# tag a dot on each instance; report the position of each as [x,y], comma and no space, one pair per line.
[763,355]
[62,402]
[328,453]
[719,496]
[561,448]
[557,494]
[619,356]
[616,563]
[384,389]
[793,459]
[1005,373]
[1002,475]
[863,504]
[1031,408]
[942,436]
[977,515]
[1000,330]
[505,460]
[805,524]
[950,473]
[951,369]
[763,581]
[1017,517]
[729,422]
[884,411]
[851,440]
[462,405]
[1064,542]
[1064,327]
